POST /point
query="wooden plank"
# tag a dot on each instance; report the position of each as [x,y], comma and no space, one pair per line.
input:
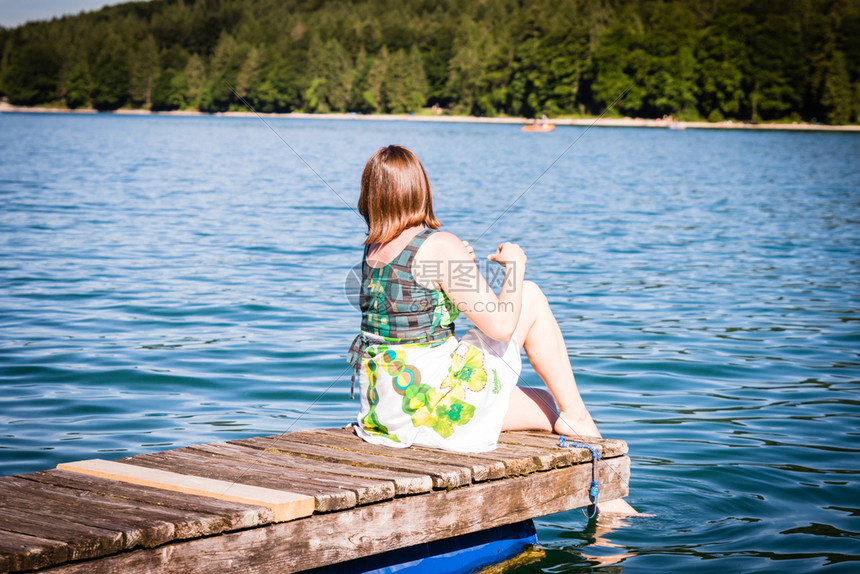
[90,525]
[532,459]
[83,537]
[365,490]
[516,463]
[479,470]
[607,447]
[87,524]
[522,452]
[325,539]
[24,552]
[225,515]
[443,476]
[481,467]
[405,483]
[327,498]
[503,461]
[118,521]
[141,523]
[284,505]
[83,541]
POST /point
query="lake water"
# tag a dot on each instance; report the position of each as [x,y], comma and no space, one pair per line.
[167,281]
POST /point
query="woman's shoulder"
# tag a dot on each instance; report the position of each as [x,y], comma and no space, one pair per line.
[434,257]
[443,240]
[441,246]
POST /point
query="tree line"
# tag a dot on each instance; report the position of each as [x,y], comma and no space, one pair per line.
[750,60]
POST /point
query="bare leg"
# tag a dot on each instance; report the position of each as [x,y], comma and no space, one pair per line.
[539,334]
[530,409]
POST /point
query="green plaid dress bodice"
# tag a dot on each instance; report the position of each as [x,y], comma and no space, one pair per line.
[394,306]
[397,309]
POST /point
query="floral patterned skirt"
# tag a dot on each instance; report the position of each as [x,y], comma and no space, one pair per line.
[452,396]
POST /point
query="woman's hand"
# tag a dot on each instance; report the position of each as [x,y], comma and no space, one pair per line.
[470,250]
[508,253]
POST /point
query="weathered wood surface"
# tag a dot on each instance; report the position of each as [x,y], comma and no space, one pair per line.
[606,447]
[443,476]
[480,469]
[331,538]
[367,499]
[56,516]
[404,482]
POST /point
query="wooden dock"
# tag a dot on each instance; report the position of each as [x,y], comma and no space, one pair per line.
[285,503]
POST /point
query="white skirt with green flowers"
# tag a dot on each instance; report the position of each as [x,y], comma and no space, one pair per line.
[452,396]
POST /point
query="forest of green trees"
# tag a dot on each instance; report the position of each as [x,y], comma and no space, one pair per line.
[750,60]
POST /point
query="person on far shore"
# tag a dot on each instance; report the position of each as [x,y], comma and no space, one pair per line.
[420,384]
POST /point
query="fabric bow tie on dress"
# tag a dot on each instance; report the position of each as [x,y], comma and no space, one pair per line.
[354,358]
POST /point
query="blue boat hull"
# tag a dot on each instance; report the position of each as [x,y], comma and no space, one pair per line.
[456,555]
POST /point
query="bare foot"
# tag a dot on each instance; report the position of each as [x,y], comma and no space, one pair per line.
[607,560]
[575,425]
[617,506]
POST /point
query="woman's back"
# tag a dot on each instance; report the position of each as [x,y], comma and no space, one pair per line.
[395,306]
[419,384]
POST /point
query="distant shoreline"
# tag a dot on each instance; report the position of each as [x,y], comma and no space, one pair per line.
[584,122]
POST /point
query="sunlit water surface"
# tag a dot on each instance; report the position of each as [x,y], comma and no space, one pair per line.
[168,281]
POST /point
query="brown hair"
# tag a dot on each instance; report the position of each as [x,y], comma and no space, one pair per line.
[395,194]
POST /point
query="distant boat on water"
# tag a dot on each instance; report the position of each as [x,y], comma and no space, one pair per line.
[538,128]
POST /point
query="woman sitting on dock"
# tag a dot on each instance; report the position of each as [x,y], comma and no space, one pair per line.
[419,384]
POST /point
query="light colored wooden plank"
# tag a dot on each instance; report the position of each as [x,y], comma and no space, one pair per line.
[326,539]
[327,497]
[225,515]
[285,505]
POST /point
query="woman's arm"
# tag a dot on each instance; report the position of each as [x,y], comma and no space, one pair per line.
[444,261]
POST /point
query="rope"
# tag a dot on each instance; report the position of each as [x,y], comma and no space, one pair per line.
[594,491]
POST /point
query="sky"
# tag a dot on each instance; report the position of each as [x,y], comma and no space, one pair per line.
[15,12]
